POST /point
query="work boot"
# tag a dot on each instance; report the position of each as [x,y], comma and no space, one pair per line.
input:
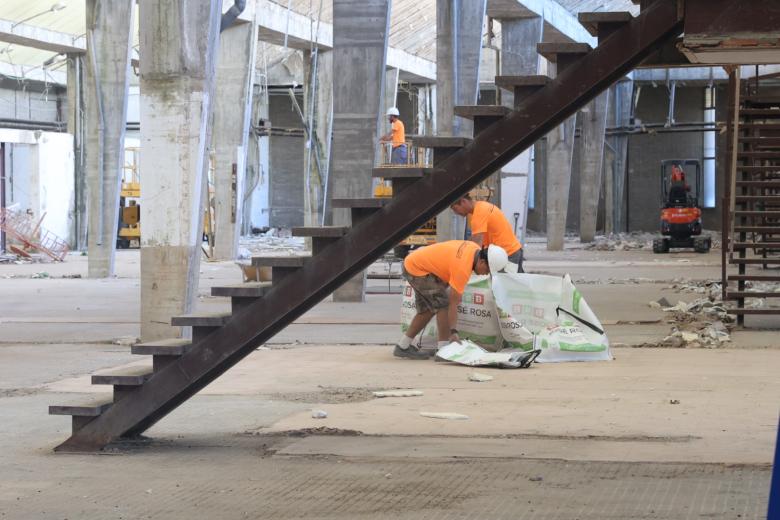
[410,352]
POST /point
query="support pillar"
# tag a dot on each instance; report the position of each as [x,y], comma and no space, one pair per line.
[458,48]
[231,116]
[179,42]
[256,185]
[107,67]
[318,107]
[621,116]
[75,92]
[390,97]
[360,31]
[594,123]
[560,151]
[518,58]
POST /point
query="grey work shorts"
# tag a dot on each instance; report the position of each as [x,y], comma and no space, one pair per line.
[430,292]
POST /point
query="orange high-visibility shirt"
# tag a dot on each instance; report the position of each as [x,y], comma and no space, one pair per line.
[488,219]
[399,133]
[451,262]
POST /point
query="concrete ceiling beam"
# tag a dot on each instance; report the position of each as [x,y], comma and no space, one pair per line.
[40,38]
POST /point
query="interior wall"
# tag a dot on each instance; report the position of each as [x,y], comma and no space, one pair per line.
[34,102]
[40,177]
[286,164]
[646,151]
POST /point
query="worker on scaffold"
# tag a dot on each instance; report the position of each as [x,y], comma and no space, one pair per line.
[396,137]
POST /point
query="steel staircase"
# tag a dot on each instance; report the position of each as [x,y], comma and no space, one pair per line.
[751,215]
[181,368]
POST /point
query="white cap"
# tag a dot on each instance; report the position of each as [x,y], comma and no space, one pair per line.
[392,111]
[497,258]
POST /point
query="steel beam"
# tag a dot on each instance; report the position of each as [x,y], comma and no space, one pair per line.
[464,169]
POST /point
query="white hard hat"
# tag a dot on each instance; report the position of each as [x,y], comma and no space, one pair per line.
[497,258]
[392,111]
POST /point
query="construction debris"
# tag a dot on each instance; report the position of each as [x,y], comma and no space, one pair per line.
[319,414]
[622,242]
[398,393]
[274,242]
[479,378]
[445,415]
[126,341]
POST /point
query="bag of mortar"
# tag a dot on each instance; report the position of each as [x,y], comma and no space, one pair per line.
[476,315]
[554,312]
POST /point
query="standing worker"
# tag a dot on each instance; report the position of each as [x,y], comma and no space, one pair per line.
[396,136]
[438,274]
[489,227]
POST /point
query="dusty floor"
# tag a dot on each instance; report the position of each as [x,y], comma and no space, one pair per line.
[587,441]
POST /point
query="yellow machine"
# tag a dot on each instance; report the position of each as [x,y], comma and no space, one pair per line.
[129,225]
[129,234]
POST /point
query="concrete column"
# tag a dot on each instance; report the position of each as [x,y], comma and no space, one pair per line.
[318,105]
[458,48]
[560,150]
[360,31]
[231,119]
[107,65]
[75,92]
[390,97]
[594,123]
[256,208]
[179,42]
[518,58]
[621,114]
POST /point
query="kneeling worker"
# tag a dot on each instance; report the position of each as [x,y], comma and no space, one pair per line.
[438,274]
[489,226]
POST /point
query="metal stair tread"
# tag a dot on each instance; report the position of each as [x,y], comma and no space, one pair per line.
[165,347]
[747,294]
[753,277]
[92,409]
[208,319]
[279,261]
[756,245]
[242,290]
[131,376]
[755,261]
[592,20]
[510,82]
[389,172]
[472,111]
[753,311]
[551,50]
[368,202]
[439,141]
[320,231]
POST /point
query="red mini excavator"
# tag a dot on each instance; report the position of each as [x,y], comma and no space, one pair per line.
[680,213]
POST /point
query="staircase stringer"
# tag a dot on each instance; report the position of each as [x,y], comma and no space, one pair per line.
[294,295]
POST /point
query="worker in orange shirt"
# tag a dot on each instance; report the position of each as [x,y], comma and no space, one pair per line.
[438,274]
[396,136]
[678,189]
[489,226]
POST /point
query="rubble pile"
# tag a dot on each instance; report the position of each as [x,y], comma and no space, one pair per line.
[704,322]
[622,242]
[274,242]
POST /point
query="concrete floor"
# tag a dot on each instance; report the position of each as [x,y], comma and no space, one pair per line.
[588,441]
